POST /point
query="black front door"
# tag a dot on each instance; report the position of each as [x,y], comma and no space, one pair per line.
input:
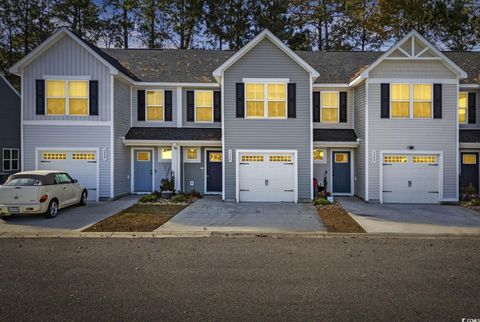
[469,171]
[341,172]
[214,171]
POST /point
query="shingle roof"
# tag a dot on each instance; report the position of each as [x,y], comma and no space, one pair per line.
[174,134]
[470,136]
[334,135]
[469,61]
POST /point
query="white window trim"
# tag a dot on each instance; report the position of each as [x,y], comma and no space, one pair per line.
[185,156]
[162,106]
[265,83]
[11,159]
[466,108]
[324,155]
[338,107]
[67,95]
[195,104]
[160,158]
[411,101]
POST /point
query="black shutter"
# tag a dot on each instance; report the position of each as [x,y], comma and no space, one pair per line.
[385,101]
[40,96]
[292,100]
[168,106]
[316,106]
[240,98]
[437,101]
[343,107]
[141,105]
[217,106]
[472,103]
[190,106]
[93,93]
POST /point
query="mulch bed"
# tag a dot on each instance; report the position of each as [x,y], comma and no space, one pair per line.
[337,220]
[138,218]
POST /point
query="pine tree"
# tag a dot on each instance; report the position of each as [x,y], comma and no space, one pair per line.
[184,18]
[150,23]
[122,24]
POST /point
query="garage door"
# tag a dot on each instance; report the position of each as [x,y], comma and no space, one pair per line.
[410,178]
[267,177]
[80,165]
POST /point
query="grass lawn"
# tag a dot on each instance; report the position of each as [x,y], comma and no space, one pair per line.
[337,220]
[138,218]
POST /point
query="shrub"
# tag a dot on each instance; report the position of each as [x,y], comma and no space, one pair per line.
[194,194]
[168,184]
[475,202]
[180,198]
[467,193]
[149,198]
[321,202]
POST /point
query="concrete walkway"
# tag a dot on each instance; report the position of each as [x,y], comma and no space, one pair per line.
[212,214]
[412,218]
[73,218]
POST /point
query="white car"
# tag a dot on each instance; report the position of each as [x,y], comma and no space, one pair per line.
[40,192]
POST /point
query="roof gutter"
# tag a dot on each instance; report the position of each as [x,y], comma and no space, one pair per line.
[130,142]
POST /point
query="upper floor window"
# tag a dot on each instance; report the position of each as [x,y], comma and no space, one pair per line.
[10,159]
[266,100]
[462,107]
[67,97]
[154,106]
[204,106]
[330,105]
[406,105]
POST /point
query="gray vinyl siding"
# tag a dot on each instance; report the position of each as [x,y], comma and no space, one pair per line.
[359,164]
[266,60]
[81,137]
[66,58]
[163,168]
[350,116]
[477,124]
[194,172]
[9,123]
[184,110]
[423,134]
[412,70]
[137,123]
[122,168]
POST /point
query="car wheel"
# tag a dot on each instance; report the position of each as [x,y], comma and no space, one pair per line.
[83,198]
[52,209]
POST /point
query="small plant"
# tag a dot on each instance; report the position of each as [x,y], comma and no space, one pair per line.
[148,198]
[194,194]
[180,198]
[168,184]
[475,202]
[467,193]
[321,202]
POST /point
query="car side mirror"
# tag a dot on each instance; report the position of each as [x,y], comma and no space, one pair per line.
[75,180]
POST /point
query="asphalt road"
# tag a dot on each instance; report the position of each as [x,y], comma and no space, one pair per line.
[239,279]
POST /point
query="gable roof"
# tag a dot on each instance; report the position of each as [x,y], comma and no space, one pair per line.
[2,77]
[265,34]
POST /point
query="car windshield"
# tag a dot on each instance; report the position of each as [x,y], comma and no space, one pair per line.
[23,182]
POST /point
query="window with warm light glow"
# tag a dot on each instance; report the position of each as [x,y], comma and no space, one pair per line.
[462,107]
[166,154]
[319,155]
[400,107]
[266,100]
[330,104]
[143,156]
[422,100]
[277,100]
[469,158]
[204,106]
[154,106]
[67,97]
[191,154]
[255,100]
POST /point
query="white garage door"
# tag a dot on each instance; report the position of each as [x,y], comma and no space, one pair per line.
[410,178]
[80,165]
[267,177]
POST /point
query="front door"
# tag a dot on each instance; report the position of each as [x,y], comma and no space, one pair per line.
[214,171]
[341,172]
[143,171]
[469,174]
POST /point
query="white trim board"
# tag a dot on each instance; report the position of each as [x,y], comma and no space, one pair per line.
[169,142]
[67,123]
[334,144]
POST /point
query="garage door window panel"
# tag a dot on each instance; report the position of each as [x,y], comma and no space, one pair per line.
[54,156]
[426,159]
[280,158]
[252,158]
[84,156]
[204,106]
[154,106]
[330,106]
[395,159]
[462,107]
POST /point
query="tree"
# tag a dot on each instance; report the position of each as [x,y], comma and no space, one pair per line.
[122,23]
[215,16]
[272,15]
[184,18]
[150,21]
[238,24]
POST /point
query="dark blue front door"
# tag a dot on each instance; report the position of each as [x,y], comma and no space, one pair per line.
[214,171]
[469,170]
[341,172]
[143,170]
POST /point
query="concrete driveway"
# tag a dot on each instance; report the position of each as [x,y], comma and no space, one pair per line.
[72,218]
[412,218]
[212,214]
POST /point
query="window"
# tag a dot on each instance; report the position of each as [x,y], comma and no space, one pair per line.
[204,106]
[215,157]
[84,156]
[395,159]
[429,159]
[54,156]
[165,154]
[154,106]
[280,158]
[252,158]
[10,159]
[469,158]
[329,103]
[67,97]
[62,178]
[341,157]
[191,154]
[319,155]
[462,107]
[400,107]
[422,100]
[143,156]
[266,100]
